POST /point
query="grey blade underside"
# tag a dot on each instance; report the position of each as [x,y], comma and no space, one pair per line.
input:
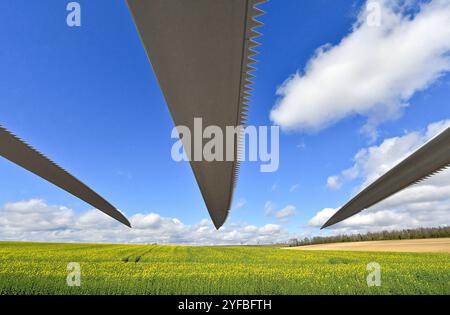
[201,52]
[430,159]
[17,151]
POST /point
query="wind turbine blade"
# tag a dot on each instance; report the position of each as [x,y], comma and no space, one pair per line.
[17,151]
[201,52]
[430,159]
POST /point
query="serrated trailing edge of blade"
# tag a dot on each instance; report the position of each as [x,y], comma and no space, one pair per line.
[30,150]
[430,159]
[247,74]
[429,176]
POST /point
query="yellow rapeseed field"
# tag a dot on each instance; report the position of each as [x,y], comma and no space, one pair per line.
[38,268]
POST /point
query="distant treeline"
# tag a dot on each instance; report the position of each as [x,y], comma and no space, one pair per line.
[377,236]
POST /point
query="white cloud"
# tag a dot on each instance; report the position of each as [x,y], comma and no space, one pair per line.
[372,72]
[334,183]
[240,204]
[294,187]
[423,205]
[371,163]
[301,146]
[34,220]
[18,217]
[274,187]
[269,229]
[286,212]
[321,217]
[268,208]
[150,221]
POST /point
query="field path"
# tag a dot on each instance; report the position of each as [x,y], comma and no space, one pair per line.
[441,245]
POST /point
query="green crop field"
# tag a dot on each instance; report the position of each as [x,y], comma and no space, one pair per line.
[33,268]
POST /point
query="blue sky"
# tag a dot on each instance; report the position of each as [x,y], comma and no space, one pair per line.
[87,98]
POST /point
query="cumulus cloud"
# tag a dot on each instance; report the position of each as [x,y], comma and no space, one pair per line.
[286,212]
[18,217]
[373,71]
[35,220]
[321,217]
[423,205]
[334,183]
